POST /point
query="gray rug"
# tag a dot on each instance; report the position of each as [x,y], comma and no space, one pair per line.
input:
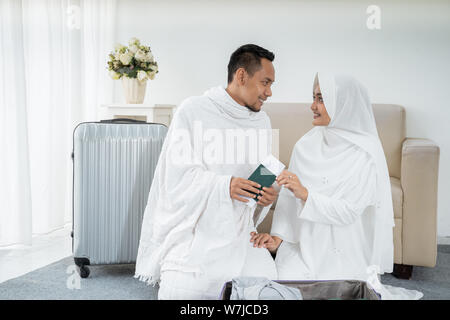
[117,282]
[52,282]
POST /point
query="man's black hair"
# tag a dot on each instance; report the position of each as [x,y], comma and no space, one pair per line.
[248,57]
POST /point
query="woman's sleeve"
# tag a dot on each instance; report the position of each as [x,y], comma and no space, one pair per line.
[345,209]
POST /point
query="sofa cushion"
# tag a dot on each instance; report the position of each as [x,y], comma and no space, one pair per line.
[391,126]
[292,120]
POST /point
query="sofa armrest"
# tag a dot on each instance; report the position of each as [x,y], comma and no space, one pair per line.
[419,181]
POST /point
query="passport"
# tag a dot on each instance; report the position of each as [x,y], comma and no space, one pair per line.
[265,174]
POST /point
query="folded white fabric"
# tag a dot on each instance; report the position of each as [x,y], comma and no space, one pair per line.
[260,288]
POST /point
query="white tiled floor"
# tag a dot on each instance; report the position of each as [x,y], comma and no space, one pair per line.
[45,249]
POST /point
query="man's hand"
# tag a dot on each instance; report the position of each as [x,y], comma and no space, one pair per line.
[265,240]
[268,196]
[241,187]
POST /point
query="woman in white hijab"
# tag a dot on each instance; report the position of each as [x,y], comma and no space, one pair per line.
[334,216]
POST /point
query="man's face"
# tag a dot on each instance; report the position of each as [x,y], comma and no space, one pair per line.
[257,89]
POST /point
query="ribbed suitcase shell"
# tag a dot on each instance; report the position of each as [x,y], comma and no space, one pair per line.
[113,168]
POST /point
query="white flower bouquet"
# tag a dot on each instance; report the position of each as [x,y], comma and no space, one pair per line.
[135,61]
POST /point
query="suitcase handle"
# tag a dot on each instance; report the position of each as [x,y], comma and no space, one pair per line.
[122,120]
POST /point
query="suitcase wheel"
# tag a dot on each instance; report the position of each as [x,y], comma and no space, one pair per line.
[81,264]
[84,271]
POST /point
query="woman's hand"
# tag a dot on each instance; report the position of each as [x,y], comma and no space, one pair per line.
[291,181]
[265,240]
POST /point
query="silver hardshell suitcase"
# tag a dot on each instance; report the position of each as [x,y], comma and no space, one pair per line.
[113,166]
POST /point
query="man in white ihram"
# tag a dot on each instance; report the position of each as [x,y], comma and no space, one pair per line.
[196,229]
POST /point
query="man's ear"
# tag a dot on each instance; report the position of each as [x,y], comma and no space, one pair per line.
[241,76]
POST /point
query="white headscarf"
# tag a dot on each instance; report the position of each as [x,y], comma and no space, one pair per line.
[348,104]
[331,149]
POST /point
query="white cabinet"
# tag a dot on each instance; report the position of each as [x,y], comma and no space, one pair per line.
[159,113]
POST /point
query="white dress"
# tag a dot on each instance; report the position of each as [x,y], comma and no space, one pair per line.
[344,230]
[326,237]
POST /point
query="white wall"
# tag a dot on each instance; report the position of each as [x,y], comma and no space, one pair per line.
[407,62]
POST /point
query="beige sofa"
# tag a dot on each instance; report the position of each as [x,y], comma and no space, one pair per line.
[413,167]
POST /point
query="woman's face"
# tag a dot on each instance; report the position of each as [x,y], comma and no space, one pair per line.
[321,117]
